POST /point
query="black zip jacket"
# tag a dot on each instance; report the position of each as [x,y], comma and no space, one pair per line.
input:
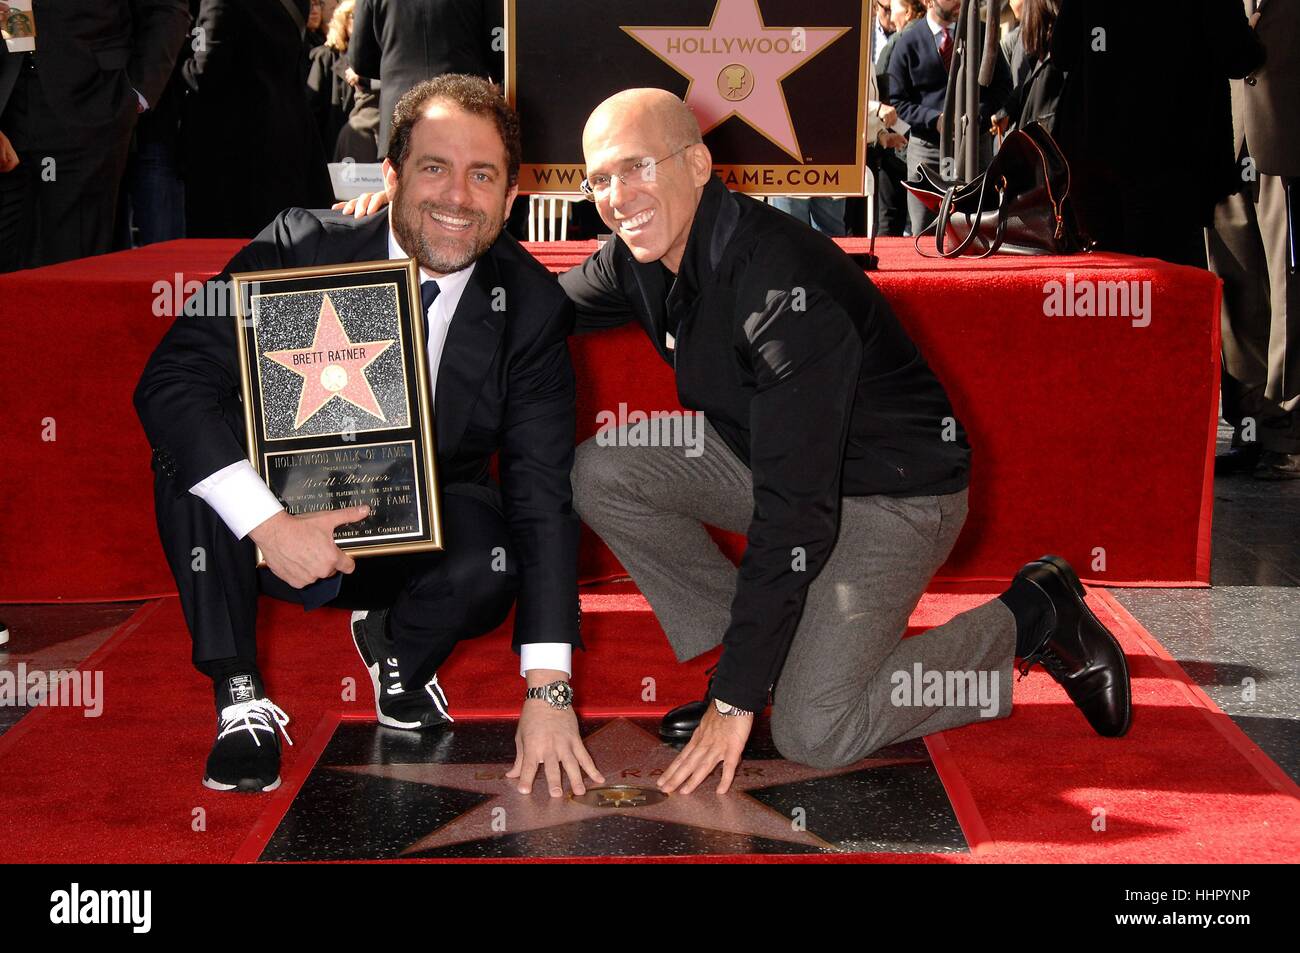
[798,362]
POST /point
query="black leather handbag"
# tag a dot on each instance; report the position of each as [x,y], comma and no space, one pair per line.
[1018,205]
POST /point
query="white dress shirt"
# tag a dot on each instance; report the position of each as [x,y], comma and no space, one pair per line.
[243,500]
[936,28]
[878,40]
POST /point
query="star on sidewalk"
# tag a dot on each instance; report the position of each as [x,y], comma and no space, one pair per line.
[736,65]
[631,760]
[333,366]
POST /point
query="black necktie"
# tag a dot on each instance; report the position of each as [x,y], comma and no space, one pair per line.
[428,291]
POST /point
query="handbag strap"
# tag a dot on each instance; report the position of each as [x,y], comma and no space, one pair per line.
[1040,142]
[940,223]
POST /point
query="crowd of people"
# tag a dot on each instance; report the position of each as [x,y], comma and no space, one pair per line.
[1180,131]
[145,121]
[232,98]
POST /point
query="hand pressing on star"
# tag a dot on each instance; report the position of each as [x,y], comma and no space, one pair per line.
[718,739]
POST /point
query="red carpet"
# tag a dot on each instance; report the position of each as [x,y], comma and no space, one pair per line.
[1093,438]
[1184,786]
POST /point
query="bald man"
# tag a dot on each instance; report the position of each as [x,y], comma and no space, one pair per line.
[829,442]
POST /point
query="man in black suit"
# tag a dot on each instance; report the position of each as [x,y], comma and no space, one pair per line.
[246,129]
[67,109]
[918,87]
[402,42]
[499,356]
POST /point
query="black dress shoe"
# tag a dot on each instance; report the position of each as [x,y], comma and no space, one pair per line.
[1277,466]
[1078,651]
[680,723]
[1236,460]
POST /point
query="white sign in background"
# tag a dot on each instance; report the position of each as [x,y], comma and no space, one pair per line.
[350,179]
[18,27]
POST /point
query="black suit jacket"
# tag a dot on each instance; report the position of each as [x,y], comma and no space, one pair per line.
[504,384]
[247,129]
[799,363]
[91,54]
[404,42]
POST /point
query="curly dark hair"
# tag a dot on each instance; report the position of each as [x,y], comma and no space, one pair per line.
[473,94]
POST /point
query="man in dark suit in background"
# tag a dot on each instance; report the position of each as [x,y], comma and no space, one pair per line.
[247,130]
[503,383]
[66,113]
[918,87]
[403,42]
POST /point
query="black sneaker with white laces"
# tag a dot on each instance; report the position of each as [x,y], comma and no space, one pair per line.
[246,754]
[396,706]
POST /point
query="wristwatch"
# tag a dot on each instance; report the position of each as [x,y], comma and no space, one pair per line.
[558,694]
[729,711]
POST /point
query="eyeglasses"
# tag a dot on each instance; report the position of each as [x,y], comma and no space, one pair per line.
[597,186]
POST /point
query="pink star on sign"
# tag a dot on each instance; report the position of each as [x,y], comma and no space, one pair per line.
[736,65]
[332,366]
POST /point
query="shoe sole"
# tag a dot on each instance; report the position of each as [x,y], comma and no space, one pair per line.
[373,670]
[247,786]
[1071,578]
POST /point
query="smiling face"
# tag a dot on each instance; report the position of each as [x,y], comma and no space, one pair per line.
[451,200]
[635,134]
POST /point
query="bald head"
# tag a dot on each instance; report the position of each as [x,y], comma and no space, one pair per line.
[649,113]
[647,166]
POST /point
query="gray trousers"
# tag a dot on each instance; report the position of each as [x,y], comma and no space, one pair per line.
[1261,314]
[920,153]
[849,685]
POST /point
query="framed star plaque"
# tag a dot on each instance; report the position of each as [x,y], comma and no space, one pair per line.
[337,406]
[779,86]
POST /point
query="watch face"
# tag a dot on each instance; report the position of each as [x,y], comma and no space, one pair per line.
[560,694]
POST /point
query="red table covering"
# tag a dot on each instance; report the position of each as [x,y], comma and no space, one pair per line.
[1093,436]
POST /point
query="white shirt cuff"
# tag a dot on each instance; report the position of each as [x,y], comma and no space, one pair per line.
[240,497]
[552,655]
[144,103]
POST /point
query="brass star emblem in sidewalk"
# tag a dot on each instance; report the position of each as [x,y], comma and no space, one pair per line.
[631,760]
